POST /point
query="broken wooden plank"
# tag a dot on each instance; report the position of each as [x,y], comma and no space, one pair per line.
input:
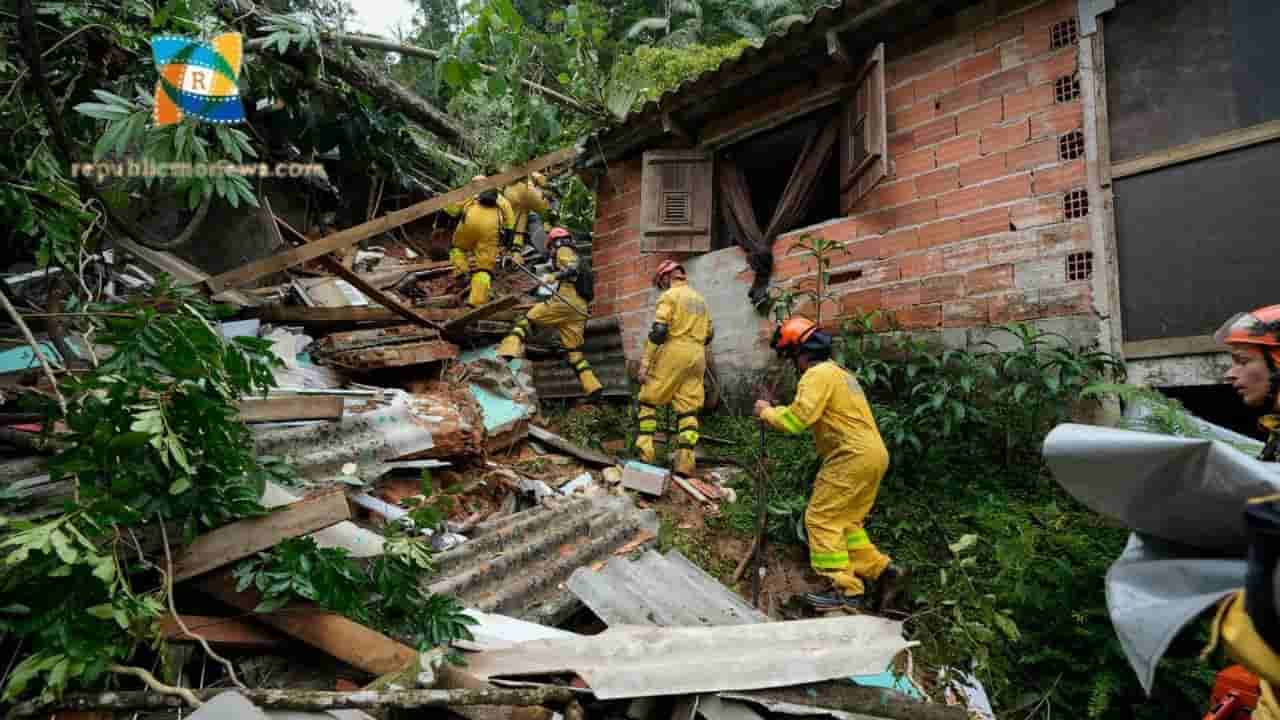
[232,632]
[245,537]
[644,537]
[299,407]
[544,435]
[348,641]
[351,236]
[337,268]
[311,317]
[689,489]
[398,355]
[458,323]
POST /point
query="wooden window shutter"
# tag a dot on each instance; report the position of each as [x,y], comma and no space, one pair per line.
[864,156]
[675,201]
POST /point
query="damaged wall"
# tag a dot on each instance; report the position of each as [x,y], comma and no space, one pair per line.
[970,228]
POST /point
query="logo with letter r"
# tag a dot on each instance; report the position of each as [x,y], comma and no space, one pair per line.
[198,78]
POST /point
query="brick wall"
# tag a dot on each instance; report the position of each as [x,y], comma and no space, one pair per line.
[968,230]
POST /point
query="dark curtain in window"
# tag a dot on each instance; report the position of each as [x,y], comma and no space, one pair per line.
[797,198]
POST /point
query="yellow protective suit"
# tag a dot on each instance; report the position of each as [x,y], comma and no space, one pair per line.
[477,236]
[1234,629]
[854,460]
[562,316]
[675,370]
[524,197]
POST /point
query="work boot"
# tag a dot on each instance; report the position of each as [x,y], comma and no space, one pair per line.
[835,599]
[891,583]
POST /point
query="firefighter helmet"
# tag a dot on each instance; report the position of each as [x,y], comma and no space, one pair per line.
[792,334]
[662,277]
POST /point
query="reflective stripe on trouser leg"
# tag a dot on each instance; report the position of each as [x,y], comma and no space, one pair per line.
[590,383]
[687,440]
[480,281]
[513,344]
[647,418]
[865,559]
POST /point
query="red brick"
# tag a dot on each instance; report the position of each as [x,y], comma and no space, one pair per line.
[935,132]
[912,116]
[920,265]
[925,62]
[633,302]
[960,98]
[879,273]
[1059,178]
[938,181]
[900,242]
[1036,154]
[989,279]
[914,163]
[903,216]
[1013,307]
[994,35]
[1013,53]
[1049,12]
[899,98]
[889,195]
[861,301]
[901,295]
[978,66]
[1064,239]
[1038,39]
[979,171]
[979,224]
[965,313]
[1025,102]
[1051,68]
[1003,83]
[1013,247]
[1034,213]
[633,283]
[919,317]
[983,116]
[958,150]
[965,257]
[1003,138]
[901,143]
[984,196]
[1061,119]
[1073,299]
[935,83]
[942,288]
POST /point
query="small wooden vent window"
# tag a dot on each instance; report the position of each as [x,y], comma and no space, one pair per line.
[1066,88]
[1075,204]
[1080,266]
[1071,145]
[1063,34]
[676,201]
[864,153]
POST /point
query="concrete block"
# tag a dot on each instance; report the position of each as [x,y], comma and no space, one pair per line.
[1040,273]
[645,478]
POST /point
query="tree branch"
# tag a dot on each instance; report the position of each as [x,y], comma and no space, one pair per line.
[166,691]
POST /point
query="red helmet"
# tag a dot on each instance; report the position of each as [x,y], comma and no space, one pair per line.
[663,274]
[1260,327]
[793,333]
[557,237]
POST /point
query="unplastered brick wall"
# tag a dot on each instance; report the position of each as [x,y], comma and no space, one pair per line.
[971,226]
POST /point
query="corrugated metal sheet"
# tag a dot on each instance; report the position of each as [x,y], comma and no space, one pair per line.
[553,376]
[655,590]
[517,565]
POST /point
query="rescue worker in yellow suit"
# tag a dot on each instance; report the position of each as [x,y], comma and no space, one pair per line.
[557,312]
[525,197]
[830,400]
[1249,625]
[486,219]
[674,362]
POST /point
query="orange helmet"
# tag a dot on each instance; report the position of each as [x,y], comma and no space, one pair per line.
[791,334]
[663,274]
[558,237]
[1260,327]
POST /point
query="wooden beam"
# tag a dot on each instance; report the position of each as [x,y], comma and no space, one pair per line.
[351,236]
[1172,347]
[819,99]
[1216,145]
[245,537]
[311,316]
[671,126]
[229,631]
[299,407]
[547,437]
[348,641]
[456,325]
[836,49]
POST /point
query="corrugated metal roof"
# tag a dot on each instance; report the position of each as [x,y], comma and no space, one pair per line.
[655,590]
[603,348]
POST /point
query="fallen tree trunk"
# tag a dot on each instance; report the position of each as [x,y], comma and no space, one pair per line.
[307,700]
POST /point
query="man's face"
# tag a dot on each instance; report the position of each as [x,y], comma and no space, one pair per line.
[1249,374]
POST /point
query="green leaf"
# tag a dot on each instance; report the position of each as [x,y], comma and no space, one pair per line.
[62,545]
[102,612]
[497,85]
[180,485]
[100,111]
[105,570]
[964,543]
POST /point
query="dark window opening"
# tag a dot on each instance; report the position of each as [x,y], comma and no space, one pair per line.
[1220,405]
[1075,204]
[767,161]
[1066,88]
[1063,34]
[1071,145]
[1080,266]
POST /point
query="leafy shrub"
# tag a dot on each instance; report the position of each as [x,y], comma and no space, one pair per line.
[664,68]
